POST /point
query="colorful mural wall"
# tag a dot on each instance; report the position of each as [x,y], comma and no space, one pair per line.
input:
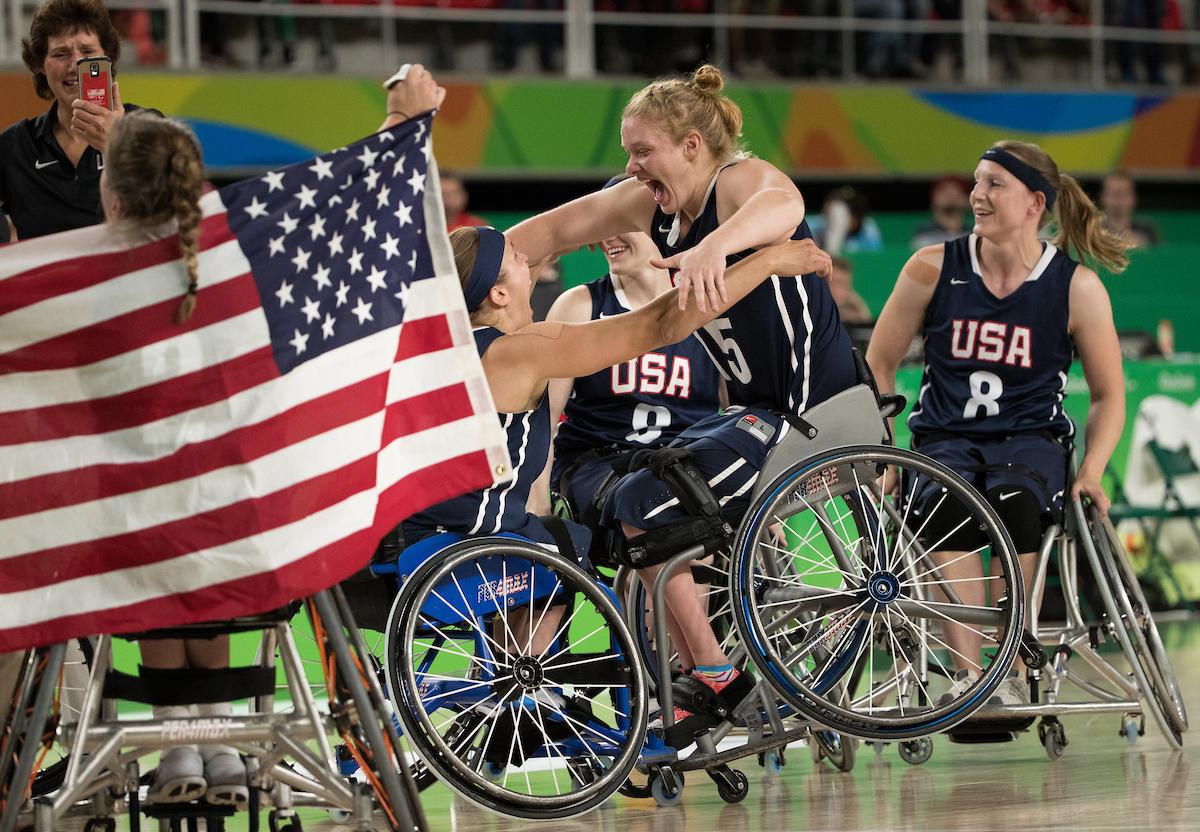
[570,128]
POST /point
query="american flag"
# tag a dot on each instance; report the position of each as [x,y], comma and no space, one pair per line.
[327,385]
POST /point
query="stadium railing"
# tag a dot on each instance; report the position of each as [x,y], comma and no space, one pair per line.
[579,20]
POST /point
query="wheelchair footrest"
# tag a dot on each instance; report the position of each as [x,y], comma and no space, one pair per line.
[989,730]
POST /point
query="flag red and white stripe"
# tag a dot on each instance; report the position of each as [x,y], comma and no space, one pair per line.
[153,474]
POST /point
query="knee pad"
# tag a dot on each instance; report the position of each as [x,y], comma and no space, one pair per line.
[1021,513]
[659,545]
[944,529]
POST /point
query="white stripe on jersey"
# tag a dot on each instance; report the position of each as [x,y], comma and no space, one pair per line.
[791,334]
[525,422]
[808,327]
[487,494]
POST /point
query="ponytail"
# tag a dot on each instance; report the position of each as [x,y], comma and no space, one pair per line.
[1081,232]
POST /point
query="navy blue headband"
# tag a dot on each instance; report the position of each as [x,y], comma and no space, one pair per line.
[487,266]
[1029,177]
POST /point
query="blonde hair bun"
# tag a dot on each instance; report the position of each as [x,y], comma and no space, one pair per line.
[708,80]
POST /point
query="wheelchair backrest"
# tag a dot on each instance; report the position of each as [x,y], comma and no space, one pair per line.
[849,418]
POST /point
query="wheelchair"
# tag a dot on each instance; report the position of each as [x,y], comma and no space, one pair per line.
[832,597]
[1136,681]
[836,599]
[289,758]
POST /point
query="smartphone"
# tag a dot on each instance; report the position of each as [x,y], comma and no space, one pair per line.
[95,80]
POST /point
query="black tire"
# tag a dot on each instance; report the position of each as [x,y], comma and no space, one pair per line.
[527,695]
[812,640]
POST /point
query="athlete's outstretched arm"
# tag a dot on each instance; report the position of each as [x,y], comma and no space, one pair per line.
[572,306]
[626,206]
[903,315]
[518,365]
[1091,326]
[757,205]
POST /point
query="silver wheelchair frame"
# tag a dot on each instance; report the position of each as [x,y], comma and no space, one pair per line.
[102,772]
[1124,607]
[854,417]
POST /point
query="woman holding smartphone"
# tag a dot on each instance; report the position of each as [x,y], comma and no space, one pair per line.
[50,165]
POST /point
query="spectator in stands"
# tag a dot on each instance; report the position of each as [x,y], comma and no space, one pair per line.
[891,54]
[844,225]
[513,36]
[454,202]
[949,202]
[1118,199]
[851,306]
[1137,14]
[274,30]
[50,165]
[137,26]
[1011,11]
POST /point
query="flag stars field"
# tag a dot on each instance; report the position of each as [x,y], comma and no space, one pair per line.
[263,422]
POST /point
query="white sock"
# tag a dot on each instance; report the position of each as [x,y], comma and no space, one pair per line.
[211,710]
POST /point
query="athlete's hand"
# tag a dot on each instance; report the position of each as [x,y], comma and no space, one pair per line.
[1088,485]
[802,257]
[700,270]
[93,122]
[416,94]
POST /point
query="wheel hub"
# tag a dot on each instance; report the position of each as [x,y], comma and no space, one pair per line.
[883,587]
[528,672]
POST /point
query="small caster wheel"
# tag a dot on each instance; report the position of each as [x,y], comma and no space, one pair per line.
[836,749]
[732,785]
[773,762]
[1053,737]
[663,794]
[492,771]
[915,752]
[340,815]
[276,822]
[1132,727]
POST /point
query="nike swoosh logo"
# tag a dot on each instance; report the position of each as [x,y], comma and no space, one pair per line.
[1010,494]
[666,230]
[609,314]
[954,282]
[40,165]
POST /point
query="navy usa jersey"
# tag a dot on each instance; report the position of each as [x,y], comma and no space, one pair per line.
[500,508]
[995,366]
[642,403]
[783,346]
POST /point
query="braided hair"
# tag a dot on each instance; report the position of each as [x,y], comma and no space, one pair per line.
[154,168]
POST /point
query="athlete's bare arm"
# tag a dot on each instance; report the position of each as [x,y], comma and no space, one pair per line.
[572,306]
[1091,326]
[519,365]
[626,206]
[903,314]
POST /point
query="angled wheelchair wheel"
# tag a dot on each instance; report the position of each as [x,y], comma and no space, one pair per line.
[843,602]
[516,678]
[1131,622]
